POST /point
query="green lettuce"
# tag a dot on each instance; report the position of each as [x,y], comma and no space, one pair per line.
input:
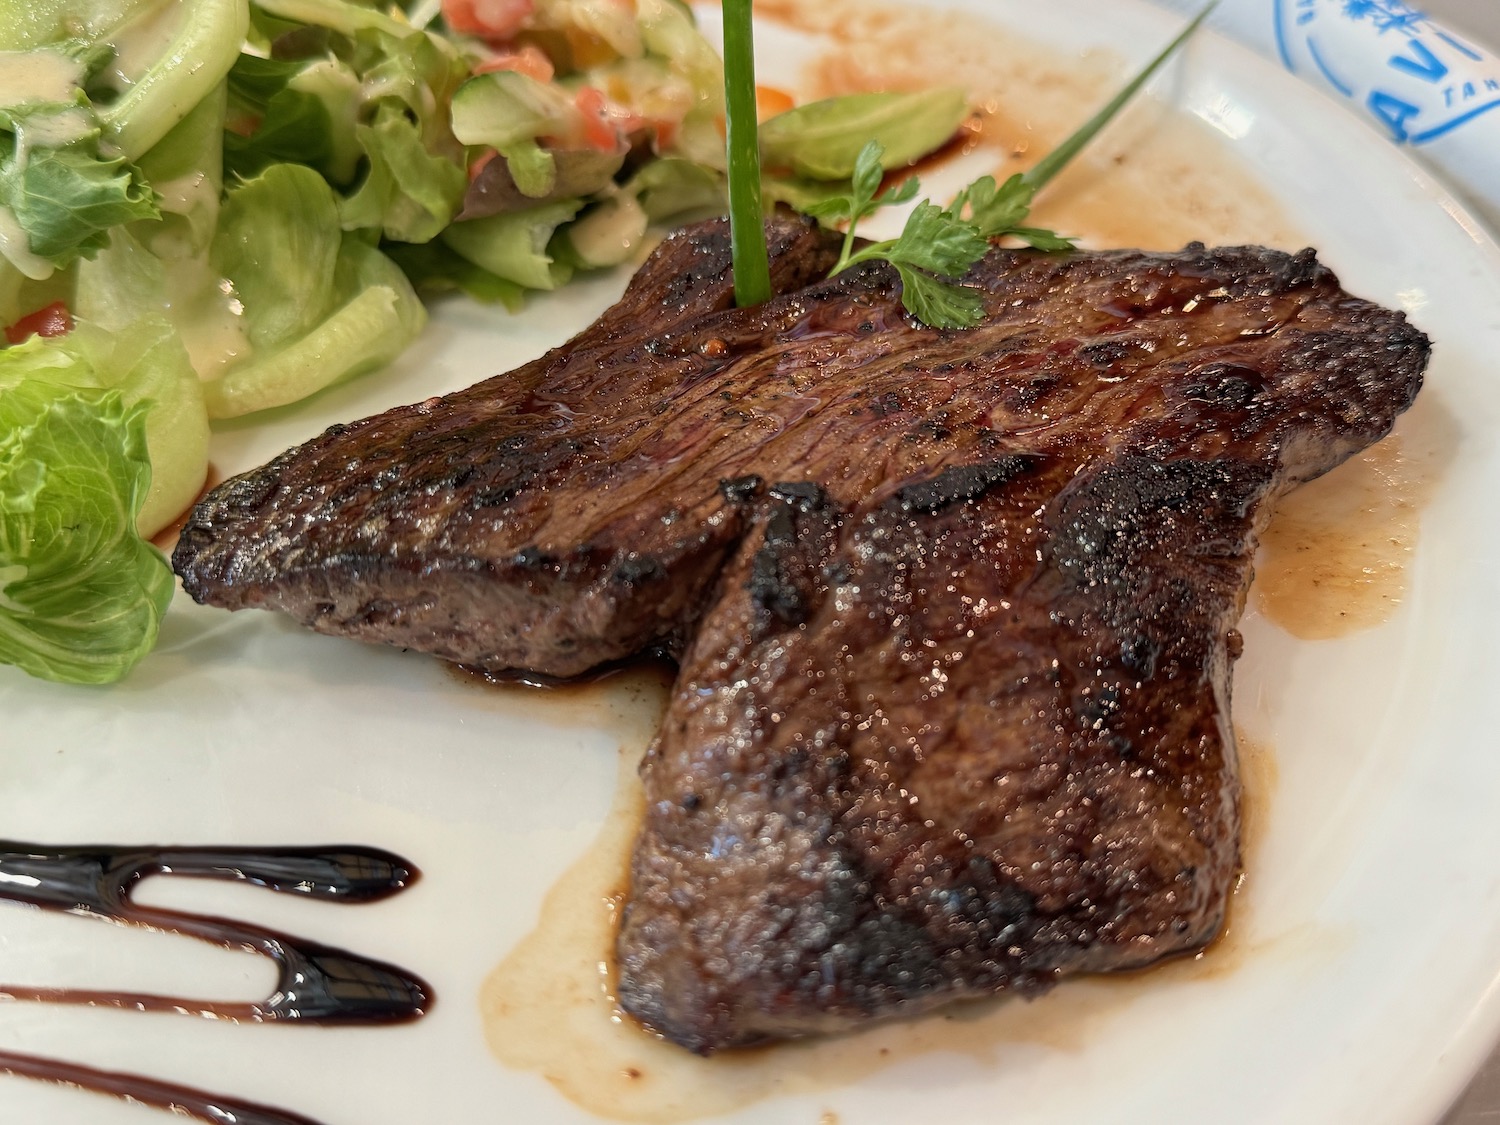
[66,199]
[21,296]
[81,594]
[416,170]
[377,315]
[320,305]
[303,113]
[515,245]
[206,37]
[144,361]
[363,98]
[278,242]
[25,24]
[336,15]
[434,268]
[408,193]
[671,186]
[185,170]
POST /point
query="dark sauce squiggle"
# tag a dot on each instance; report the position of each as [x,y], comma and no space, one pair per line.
[148,1091]
[315,983]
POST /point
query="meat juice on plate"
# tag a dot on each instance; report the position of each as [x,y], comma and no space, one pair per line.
[1335,557]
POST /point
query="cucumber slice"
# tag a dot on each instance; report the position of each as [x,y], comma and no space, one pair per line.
[504,108]
[609,233]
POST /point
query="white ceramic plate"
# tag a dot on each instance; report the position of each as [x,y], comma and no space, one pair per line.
[1367,936]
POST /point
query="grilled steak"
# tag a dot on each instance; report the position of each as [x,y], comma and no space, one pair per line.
[954,610]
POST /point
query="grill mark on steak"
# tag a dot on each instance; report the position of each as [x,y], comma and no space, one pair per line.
[954,610]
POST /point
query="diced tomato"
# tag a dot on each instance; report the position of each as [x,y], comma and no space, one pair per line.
[495,20]
[242,124]
[54,320]
[477,165]
[769,101]
[666,133]
[605,125]
[529,60]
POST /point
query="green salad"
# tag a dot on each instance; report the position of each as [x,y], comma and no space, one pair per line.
[210,208]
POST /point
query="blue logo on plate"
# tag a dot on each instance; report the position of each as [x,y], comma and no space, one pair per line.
[1418,80]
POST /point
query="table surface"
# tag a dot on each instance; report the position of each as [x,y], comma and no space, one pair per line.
[1479,20]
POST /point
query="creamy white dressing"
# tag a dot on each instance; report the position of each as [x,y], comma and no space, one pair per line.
[208,315]
[16,247]
[54,130]
[611,233]
[140,43]
[37,77]
[184,194]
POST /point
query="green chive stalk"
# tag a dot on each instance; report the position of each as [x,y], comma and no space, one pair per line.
[752,268]
[1057,159]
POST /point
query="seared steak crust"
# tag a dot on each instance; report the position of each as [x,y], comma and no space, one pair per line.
[954,610]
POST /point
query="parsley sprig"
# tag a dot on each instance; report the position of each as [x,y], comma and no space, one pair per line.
[939,245]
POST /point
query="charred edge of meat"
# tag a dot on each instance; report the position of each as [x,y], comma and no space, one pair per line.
[958,483]
[799,521]
[741,490]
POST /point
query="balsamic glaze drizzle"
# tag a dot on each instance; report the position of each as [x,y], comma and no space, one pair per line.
[150,1091]
[315,983]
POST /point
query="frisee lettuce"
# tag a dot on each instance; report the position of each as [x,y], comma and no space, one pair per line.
[147,366]
[416,176]
[64,197]
[81,594]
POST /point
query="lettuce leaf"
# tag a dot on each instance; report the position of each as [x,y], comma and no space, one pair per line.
[189,65]
[319,305]
[278,242]
[144,361]
[514,245]
[376,316]
[416,170]
[408,193]
[67,199]
[185,170]
[304,113]
[337,15]
[81,594]
[25,24]
[363,98]
[433,267]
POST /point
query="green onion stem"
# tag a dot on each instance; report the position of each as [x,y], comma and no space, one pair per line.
[747,233]
[1054,162]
